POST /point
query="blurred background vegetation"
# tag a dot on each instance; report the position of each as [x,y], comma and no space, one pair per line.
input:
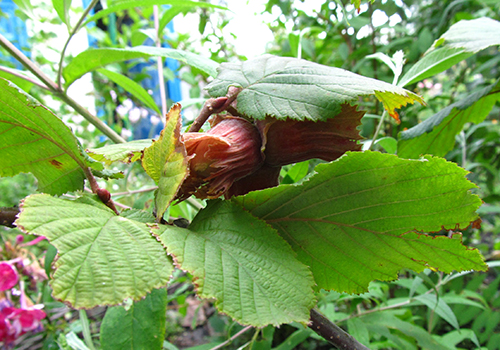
[419,311]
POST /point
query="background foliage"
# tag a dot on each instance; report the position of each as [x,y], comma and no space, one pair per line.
[429,309]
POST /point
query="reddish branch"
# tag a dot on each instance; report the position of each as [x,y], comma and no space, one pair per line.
[333,333]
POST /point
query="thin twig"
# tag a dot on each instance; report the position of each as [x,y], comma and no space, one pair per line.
[377,131]
[149,189]
[73,32]
[24,77]
[333,333]
[221,345]
[159,62]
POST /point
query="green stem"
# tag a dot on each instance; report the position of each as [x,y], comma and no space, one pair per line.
[87,336]
[377,131]
[73,32]
[159,62]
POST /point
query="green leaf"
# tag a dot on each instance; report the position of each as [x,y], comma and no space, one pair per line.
[142,326]
[284,87]
[473,35]
[243,264]
[131,87]
[130,4]
[433,63]
[23,84]
[352,222]
[35,141]
[455,337]
[62,9]
[436,135]
[127,152]
[166,162]
[440,307]
[93,59]
[103,258]
[461,41]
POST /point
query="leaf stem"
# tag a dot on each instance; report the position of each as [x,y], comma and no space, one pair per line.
[73,32]
[221,345]
[377,131]
[333,333]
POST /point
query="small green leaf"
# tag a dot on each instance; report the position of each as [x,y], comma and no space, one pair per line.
[352,222]
[62,9]
[436,135]
[103,258]
[93,59]
[35,141]
[142,326]
[284,87]
[127,152]
[243,264]
[130,4]
[166,161]
[131,87]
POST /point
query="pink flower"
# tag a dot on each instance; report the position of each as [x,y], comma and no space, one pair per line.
[8,276]
[15,322]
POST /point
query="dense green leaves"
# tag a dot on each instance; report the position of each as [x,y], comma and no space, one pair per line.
[436,135]
[127,152]
[92,59]
[141,326]
[243,264]
[103,258]
[35,141]
[285,87]
[166,161]
[357,219]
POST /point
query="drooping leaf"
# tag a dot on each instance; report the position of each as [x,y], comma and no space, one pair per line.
[458,43]
[62,9]
[131,87]
[440,307]
[357,219]
[166,161]
[284,87]
[142,326]
[35,141]
[243,264]
[130,4]
[93,59]
[103,258]
[436,135]
[127,152]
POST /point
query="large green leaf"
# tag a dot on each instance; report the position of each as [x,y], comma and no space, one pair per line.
[142,326]
[92,59]
[127,152]
[103,258]
[130,4]
[360,217]
[35,141]
[458,43]
[284,87]
[166,161]
[131,87]
[436,135]
[243,264]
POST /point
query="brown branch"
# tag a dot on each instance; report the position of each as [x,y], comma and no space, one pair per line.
[8,216]
[333,333]
[214,105]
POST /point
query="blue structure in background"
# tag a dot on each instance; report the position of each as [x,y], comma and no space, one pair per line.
[14,29]
[143,129]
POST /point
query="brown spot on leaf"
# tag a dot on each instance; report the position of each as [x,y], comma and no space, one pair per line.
[55,163]
[477,223]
